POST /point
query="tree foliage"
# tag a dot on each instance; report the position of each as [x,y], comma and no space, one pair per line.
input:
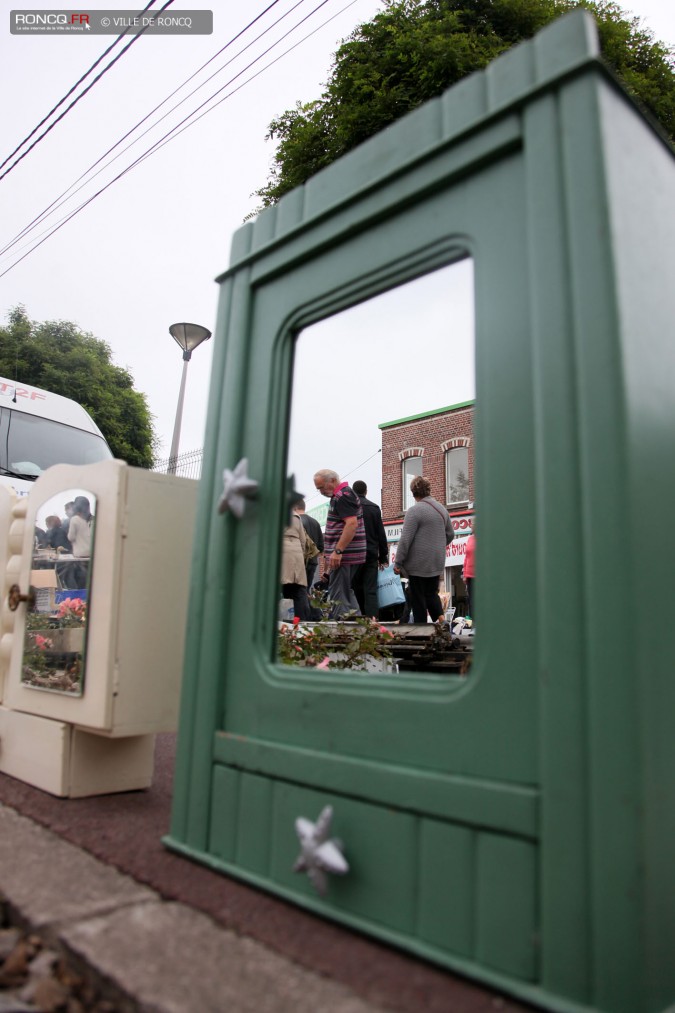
[415,49]
[57,356]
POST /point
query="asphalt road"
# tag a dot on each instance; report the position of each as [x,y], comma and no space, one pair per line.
[125,831]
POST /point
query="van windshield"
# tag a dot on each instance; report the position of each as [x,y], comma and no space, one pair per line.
[31,444]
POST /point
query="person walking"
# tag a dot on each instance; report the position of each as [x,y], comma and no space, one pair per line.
[420,554]
[313,529]
[469,570]
[344,540]
[293,575]
[364,581]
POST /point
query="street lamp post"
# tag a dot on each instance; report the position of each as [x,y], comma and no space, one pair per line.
[189,337]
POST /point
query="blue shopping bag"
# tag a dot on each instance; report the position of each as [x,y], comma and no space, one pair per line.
[389,588]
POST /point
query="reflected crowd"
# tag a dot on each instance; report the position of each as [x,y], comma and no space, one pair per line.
[344,571]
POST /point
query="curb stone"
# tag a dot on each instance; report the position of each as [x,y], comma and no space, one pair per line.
[141,952]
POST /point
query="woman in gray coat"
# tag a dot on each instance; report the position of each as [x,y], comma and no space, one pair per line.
[420,553]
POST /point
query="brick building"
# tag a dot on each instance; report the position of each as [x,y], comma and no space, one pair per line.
[439,445]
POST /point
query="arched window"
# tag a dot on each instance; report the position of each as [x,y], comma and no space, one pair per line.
[411,466]
[457,476]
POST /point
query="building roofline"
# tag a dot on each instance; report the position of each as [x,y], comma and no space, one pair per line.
[424,415]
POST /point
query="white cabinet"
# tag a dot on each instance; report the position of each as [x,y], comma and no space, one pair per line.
[137,592]
[67,761]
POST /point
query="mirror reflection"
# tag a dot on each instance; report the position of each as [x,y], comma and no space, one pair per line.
[56,620]
[374,571]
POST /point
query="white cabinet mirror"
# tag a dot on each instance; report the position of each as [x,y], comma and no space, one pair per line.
[54,649]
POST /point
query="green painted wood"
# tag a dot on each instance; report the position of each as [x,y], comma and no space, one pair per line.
[506,916]
[614,849]
[223,825]
[510,808]
[643,244]
[254,823]
[379,845]
[446,894]
[356,719]
[533,806]
[564,606]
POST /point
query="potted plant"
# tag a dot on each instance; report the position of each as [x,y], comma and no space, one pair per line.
[54,647]
[361,644]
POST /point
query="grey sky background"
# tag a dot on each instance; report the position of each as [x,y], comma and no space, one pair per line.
[414,346]
[144,253]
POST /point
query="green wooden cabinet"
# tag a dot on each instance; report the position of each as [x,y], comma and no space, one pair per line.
[517,825]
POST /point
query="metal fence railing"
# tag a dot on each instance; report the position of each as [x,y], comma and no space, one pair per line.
[187,465]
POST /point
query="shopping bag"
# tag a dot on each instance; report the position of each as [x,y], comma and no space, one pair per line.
[389,588]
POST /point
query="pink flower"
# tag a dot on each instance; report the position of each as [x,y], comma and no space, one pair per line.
[383,629]
[42,642]
[296,620]
[325,663]
[72,608]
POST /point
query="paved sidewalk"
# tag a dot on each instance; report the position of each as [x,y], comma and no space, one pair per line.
[151,954]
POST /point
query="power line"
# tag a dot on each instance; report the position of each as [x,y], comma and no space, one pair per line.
[67,195]
[80,96]
[183,125]
[192,118]
[70,91]
[348,473]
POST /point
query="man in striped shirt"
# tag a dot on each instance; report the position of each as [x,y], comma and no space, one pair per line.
[344,540]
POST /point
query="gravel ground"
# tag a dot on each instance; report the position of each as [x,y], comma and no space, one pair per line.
[35,978]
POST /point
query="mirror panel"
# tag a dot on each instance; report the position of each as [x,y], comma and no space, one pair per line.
[383,392]
[54,650]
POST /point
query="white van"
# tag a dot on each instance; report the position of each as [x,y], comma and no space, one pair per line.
[38,429]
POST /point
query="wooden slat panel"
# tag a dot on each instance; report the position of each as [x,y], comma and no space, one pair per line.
[496,805]
[254,823]
[380,847]
[446,886]
[224,805]
[505,905]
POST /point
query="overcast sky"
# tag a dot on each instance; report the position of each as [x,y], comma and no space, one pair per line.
[144,254]
[414,346]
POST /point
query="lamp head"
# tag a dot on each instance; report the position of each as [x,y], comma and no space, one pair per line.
[189,336]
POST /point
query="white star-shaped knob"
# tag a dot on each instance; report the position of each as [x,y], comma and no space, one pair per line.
[319,855]
[237,488]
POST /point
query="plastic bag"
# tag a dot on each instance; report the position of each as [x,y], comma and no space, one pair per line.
[389,588]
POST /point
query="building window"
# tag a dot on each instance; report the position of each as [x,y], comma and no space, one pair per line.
[412,466]
[457,475]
